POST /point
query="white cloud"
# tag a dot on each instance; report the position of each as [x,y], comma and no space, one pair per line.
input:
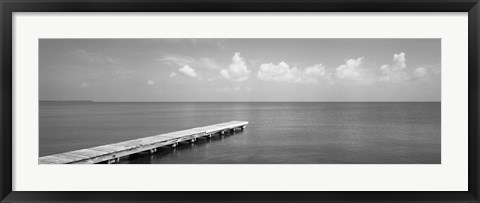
[420,72]
[150,82]
[395,73]
[202,62]
[176,60]
[283,73]
[280,73]
[314,73]
[186,70]
[237,70]
[400,60]
[85,85]
[351,70]
[173,74]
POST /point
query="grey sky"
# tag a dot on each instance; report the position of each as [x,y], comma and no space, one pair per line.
[240,69]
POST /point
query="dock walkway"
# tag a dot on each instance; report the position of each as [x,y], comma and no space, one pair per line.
[113,152]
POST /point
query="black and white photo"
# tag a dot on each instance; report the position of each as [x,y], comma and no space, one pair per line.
[240,101]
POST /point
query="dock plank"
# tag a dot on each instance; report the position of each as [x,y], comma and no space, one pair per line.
[70,157]
[88,153]
[54,159]
[109,148]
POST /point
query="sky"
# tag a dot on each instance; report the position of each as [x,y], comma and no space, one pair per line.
[240,70]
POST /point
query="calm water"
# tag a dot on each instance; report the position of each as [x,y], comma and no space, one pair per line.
[278,133]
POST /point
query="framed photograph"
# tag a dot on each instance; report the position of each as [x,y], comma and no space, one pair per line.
[211,101]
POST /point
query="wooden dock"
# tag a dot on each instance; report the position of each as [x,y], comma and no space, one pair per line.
[113,152]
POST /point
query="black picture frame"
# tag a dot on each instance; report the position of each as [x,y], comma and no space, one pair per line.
[8,7]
